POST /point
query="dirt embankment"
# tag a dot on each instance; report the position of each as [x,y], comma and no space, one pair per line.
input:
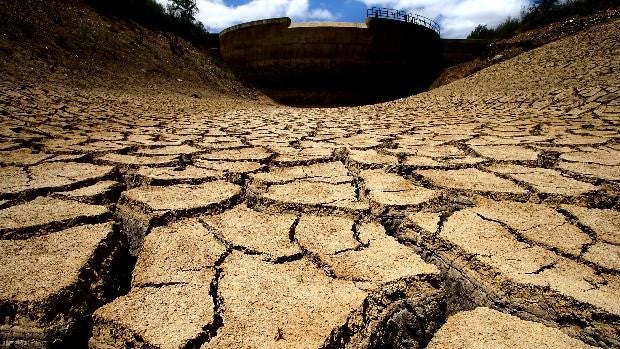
[67,43]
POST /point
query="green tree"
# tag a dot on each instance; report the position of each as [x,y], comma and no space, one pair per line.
[504,29]
[183,9]
[480,32]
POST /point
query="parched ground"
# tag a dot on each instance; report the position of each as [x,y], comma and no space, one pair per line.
[483,214]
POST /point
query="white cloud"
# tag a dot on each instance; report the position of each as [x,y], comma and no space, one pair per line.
[458,17]
[217,15]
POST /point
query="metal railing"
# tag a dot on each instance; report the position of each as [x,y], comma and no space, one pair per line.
[404,16]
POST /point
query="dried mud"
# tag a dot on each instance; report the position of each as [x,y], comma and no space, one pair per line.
[485,208]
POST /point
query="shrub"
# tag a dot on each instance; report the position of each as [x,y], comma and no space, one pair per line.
[504,29]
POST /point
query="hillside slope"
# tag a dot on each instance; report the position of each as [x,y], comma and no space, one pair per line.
[523,41]
[68,43]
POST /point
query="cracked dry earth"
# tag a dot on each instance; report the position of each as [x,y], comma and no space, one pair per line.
[483,214]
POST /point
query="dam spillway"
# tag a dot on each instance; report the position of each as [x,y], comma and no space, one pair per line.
[333,63]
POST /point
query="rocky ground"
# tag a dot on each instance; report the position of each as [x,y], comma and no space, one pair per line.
[480,214]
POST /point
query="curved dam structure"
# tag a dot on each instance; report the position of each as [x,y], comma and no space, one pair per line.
[333,63]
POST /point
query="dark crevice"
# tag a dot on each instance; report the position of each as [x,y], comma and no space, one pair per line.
[160,284]
[293,229]
[514,232]
[287,259]
[210,330]
[55,226]
[543,268]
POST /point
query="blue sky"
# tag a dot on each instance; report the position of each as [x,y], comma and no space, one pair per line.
[456,17]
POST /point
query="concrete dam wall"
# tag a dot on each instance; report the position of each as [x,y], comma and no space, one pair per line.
[333,63]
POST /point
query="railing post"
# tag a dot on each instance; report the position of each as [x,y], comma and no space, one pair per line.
[403,16]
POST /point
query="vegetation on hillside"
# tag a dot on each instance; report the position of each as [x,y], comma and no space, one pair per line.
[177,17]
[541,13]
[506,28]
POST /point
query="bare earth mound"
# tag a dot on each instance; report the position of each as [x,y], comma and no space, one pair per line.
[481,214]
